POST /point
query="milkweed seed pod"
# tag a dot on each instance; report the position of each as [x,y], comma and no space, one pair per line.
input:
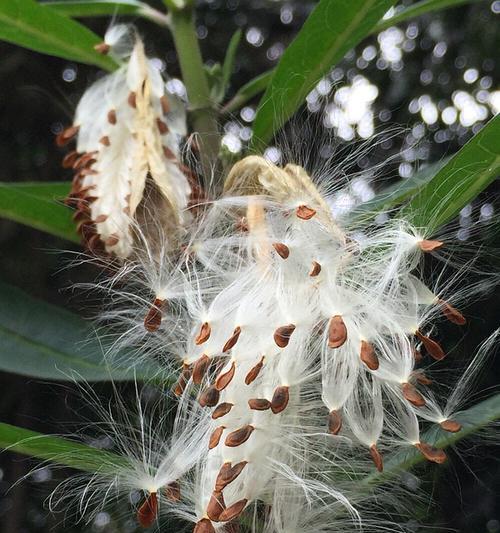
[128,130]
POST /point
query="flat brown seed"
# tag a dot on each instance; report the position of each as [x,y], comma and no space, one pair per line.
[368,356]
[221,410]
[315,269]
[209,397]
[66,135]
[334,422]
[337,332]
[146,514]
[69,159]
[200,368]
[216,505]
[239,436]
[215,437]
[452,314]
[422,378]
[417,355]
[223,380]
[377,458]
[100,219]
[305,212]
[173,491]
[451,425]
[412,395]
[105,140]
[232,527]
[132,99]
[102,48]
[168,153]
[259,404]
[182,381]
[204,334]
[112,116]
[233,511]
[204,526]
[281,249]
[429,246]
[233,339]
[162,127]
[282,335]
[433,348]
[254,372]
[430,453]
[280,399]
[165,105]
[152,320]
[228,473]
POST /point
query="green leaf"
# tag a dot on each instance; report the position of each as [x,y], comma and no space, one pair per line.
[331,30]
[58,450]
[28,24]
[96,8]
[248,91]
[466,174]
[39,205]
[45,341]
[227,67]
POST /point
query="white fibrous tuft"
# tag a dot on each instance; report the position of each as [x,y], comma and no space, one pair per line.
[128,130]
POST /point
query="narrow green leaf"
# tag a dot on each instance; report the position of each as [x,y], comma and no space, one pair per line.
[45,341]
[248,91]
[96,8]
[39,205]
[466,174]
[227,67]
[58,450]
[28,24]
[332,29]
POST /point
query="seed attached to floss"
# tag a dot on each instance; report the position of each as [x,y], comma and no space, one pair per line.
[152,320]
[182,381]
[228,473]
[204,526]
[452,314]
[315,269]
[412,395]
[215,437]
[368,356]
[233,511]
[200,369]
[280,399]
[233,339]
[239,436]
[305,212]
[434,348]
[377,458]
[432,454]
[216,505]
[281,249]
[67,135]
[337,332]
[221,410]
[430,246]
[254,372]
[451,425]
[112,117]
[173,491]
[204,334]
[334,422]
[210,397]
[102,48]
[162,127]
[282,335]
[422,378]
[259,404]
[225,379]
[146,514]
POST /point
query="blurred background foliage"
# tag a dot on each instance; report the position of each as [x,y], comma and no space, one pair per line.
[406,97]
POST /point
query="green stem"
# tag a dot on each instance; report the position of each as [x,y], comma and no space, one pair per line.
[194,78]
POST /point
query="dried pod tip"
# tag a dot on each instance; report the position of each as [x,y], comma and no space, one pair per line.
[305,212]
[215,437]
[224,379]
[452,314]
[315,269]
[254,372]
[173,491]
[377,458]
[433,348]
[432,454]
[429,246]
[334,422]
[282,335]
[451,425]
[221,410]
[412,395]
[204,334]
[152,320]
[337,332]
[233,511]
[239,436]
[210,397]
[233,339]
[368,356]
[204,526]
[280,399]
[102,48]
[147,512]
[200,368]
[281,249]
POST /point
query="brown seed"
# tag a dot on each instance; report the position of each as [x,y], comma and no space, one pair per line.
[368,356]
[209,397]
[223,380]
[168,153]
[100,219]
[305,212]
[337,332]
[215,437]
[200,368]
[412,395]
[377,458]
[280,399]
[85,160]
[204,526]
[173,491]
[222,409]
[429,246]
[434,348]
[233,511]
[132,99]
[102,48]
[67,135]
[282,335]
[70,158]
[152,321]
[430,453]
[239,436]
[417,355]
[451,425]
[146,514]
[112,116]
[204,334]
[162,127]
[315,269]
[216,505]
[182,381]
[259,404]
[281,249]
[452,314]
[422,378]
[227,474]
[232,527]
[232,340]
[105,140]
[334,422]
[165,106]
[254,372]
